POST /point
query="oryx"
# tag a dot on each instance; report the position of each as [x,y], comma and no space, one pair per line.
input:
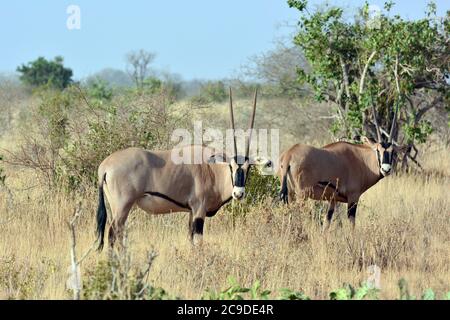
[152,181]
[337,172]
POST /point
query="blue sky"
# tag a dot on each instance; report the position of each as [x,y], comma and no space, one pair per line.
[196,39]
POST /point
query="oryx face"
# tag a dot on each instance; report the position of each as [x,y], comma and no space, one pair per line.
[384,153]
[239,167]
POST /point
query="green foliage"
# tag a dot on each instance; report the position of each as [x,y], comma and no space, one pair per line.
[54,109]
[111,280]
[288,294]
[19,280]
[401,57]
[417,132]
[236,292]
[214,91]
[152,85]
[347,292]
[69,133]
[115,279]
[43,72]
[100,90]
[257,188]
[404,290]
[135,120]
[298,4]
[429,295]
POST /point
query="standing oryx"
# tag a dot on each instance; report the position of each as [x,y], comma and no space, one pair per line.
[152,181]
[338,172]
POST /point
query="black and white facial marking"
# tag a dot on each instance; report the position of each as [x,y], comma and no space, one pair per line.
[239,167]
[384,153]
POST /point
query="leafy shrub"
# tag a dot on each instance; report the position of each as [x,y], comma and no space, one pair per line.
[347,292]
[116,279]
[257,188]
[288,294]
[236,292]
[214,91]
[99,89]
[68,135]
[19,280]
[43,72]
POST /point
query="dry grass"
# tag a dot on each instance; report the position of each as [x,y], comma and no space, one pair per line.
[402,226]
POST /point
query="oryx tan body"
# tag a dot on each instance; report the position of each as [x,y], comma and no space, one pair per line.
[192,179]
[152,181]
[338,172]
[185,182]
[352,169]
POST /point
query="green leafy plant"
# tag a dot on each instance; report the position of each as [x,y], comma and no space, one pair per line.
[46,72]
[116,279]
[288,294]
[348,292]
[380,70]
[214,91]
[404,290]
[237,292]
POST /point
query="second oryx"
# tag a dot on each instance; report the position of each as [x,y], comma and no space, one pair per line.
[338,172]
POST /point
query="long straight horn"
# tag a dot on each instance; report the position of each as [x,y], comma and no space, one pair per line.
[375,121]
[252,122]
[232,122]
[394,120]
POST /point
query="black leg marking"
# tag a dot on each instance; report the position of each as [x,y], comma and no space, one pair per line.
[330,214]
[352,210]
[197,226]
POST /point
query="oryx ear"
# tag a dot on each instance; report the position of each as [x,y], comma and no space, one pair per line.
[264,162]
[216,158]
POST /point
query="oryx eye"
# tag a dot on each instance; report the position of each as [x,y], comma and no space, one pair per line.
[269,164]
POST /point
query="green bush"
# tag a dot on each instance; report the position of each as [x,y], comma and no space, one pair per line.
[46,72]
[236,292]
[347,292]
[116,279]
[19,280]
[99,89]
[214,91]
[68,134]
[258,188]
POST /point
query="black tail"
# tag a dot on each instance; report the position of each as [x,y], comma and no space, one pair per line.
[101,217]
[284,187]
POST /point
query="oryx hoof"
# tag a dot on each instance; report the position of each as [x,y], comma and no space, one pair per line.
[197,240]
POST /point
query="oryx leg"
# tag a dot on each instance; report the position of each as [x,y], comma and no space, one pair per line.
[352,205]
[120,215]
[198,221]
[190,226]
[329,216]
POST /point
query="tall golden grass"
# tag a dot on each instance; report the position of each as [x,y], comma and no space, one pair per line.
[402,225]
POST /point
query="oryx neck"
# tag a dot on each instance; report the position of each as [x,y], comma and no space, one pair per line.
[223,178]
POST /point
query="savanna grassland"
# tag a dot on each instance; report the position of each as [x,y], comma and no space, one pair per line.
[402,226]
